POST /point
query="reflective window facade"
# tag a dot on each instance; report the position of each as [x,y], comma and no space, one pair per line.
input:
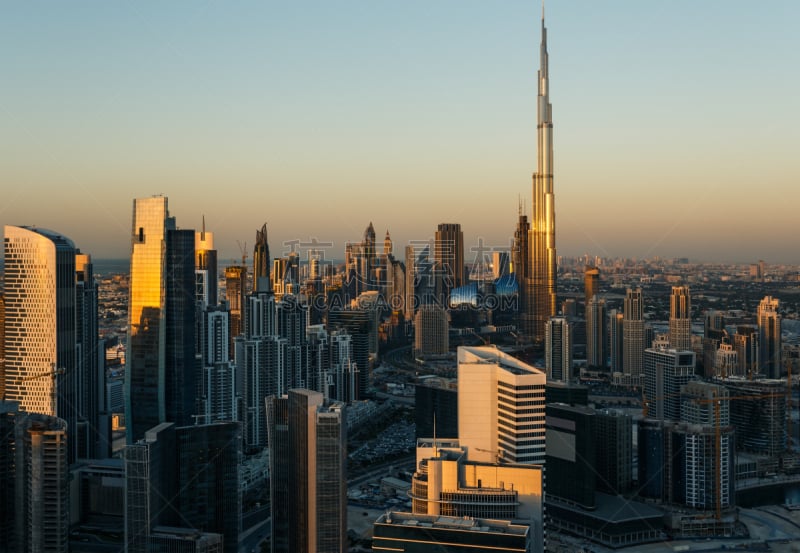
[144,375]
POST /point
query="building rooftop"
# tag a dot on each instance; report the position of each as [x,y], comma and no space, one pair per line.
[454,523]
[188,534]
[493,356]
[614,509]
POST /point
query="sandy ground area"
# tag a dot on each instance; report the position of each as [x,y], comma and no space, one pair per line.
[775,525]
[360,523]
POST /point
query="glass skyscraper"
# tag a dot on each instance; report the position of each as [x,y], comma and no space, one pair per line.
[146,351]
[161,372]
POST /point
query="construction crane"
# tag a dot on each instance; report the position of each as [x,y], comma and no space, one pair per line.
[486,341]
[498,454]
[788,363]
[53,373]
[243,251]
[715,401]
[206,417]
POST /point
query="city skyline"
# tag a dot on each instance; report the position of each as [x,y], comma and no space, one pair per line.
[319,119]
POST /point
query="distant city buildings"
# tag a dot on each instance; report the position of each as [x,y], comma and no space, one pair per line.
[431,332]
[591,284]
[596,333]
[680,321]
[633,333]
[448,256]
[769,338]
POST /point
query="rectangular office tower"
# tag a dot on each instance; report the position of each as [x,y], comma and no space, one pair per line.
[680,318]
[633,335]
[558,349]
[665,371]
[34,482]
[571,469]
[161,321]
[596,333]
[184,477]
[501,407]
[308,463]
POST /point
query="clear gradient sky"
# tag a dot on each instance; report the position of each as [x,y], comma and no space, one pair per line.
[677,124]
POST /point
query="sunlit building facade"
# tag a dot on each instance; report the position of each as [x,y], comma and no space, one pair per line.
[680,322]
[591,283]
[769,338]
[146,352]
[542,241]
[161,373]
[206,266]
[745,342]
[448,254]
[633,339]
[448,483]
[41,363]
[501,407]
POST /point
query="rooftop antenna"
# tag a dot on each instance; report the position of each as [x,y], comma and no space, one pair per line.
[435,447]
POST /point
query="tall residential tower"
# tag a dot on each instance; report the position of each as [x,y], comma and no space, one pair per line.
[680,318]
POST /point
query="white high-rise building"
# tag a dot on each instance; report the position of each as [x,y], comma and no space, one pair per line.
[726,362]
[39,344]
[501,407]
[42,369]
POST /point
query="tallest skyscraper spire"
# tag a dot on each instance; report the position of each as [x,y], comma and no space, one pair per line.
[540,289]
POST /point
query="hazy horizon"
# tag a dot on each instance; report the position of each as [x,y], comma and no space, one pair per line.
[675,124]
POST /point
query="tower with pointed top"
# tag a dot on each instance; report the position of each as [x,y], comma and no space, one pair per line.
[541,288]
[261,280]
[387,244]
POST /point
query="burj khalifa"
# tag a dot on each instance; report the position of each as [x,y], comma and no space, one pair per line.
[540,286]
